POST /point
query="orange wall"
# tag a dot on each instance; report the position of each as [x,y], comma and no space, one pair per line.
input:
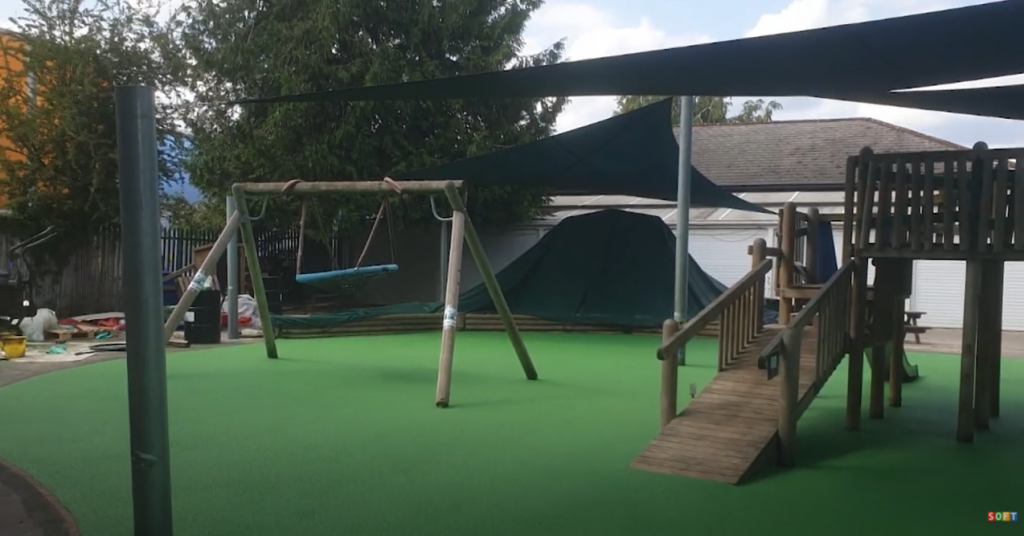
[10,63]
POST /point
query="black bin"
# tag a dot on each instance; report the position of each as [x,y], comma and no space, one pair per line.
[275,296]
[202,324]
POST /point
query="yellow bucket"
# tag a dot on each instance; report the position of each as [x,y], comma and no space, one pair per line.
[14,347]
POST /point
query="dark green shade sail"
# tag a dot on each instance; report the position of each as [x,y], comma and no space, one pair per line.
[876,57]
[1006,102]
[630,154]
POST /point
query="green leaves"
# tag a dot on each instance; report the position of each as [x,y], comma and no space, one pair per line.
[708,110]
[257,48]
[57,108]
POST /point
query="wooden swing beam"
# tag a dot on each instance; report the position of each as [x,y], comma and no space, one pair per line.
[358,187]
[463,232]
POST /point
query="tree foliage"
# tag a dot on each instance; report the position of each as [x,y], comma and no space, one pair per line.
[708,110]
[255,48]
[57,108]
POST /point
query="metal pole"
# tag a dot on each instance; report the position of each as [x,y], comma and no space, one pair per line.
[203,273]
[443,266]
[233,282]
[143,310]
[683,215]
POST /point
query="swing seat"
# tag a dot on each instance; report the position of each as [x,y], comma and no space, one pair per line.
[340,278]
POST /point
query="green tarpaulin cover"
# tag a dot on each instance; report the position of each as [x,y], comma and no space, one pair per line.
[611,268]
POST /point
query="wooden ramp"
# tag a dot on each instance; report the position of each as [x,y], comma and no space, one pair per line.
[728,431]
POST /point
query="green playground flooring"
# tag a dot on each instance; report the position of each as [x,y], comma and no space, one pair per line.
[341,437]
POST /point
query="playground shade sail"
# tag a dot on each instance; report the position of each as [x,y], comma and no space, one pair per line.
[607,268]
[1006,102]
[630,154]
[877,57]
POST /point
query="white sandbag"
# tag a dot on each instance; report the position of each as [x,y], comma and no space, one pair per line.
[246,307]
[34,328]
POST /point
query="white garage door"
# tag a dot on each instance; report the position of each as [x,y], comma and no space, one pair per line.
[939,292]
[722,253]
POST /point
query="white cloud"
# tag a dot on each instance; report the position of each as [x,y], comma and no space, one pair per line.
[593,33]
[809,14]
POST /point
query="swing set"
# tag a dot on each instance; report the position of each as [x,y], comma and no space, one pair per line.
[462,233]
[348,279]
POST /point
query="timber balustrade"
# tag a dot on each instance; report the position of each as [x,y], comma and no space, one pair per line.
[830,310]
[941,204]
[740,310]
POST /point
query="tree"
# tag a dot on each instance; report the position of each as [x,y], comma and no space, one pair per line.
[57,108]
[707,110]
[257,48]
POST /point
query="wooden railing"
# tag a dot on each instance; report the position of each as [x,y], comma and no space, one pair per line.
[942,204]
[781,357]
[740,310]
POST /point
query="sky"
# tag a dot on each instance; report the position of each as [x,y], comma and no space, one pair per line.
[596,28]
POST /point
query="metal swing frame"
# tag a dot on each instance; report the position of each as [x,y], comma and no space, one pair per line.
[462,232]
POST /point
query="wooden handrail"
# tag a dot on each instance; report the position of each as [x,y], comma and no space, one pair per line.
[671,346]
[768,358]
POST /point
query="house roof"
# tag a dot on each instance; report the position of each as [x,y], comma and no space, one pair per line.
[797,155]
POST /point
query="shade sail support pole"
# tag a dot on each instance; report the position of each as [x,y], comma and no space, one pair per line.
[683,215]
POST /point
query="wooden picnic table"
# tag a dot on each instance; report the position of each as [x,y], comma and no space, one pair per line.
[910,325]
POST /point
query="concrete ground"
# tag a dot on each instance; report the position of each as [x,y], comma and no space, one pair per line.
[27,510]
[947,341]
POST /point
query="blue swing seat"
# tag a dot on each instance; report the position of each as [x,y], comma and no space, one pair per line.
[340,278]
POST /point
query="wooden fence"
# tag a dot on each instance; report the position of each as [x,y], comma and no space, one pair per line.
[90,281]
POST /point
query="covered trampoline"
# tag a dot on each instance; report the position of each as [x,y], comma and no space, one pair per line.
[609,269]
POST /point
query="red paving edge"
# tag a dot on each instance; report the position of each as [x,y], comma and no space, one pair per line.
[42,506]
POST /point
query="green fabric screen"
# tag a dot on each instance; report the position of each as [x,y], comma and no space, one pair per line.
[629,154]
[942,47]
[611,268]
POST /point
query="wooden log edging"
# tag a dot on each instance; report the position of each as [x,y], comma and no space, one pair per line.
[416,323]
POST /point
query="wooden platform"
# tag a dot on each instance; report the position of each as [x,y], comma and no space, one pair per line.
[728,431]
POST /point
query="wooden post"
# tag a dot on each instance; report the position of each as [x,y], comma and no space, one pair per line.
[987,351]
[789,386]
[881,335]
[483,265]
[998,274]
[852,164]
[899,307]
[811,247]
[968,351]
[758,253]
[451,310]
[255,273]
[858,316]
[786,261]
[669,378]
